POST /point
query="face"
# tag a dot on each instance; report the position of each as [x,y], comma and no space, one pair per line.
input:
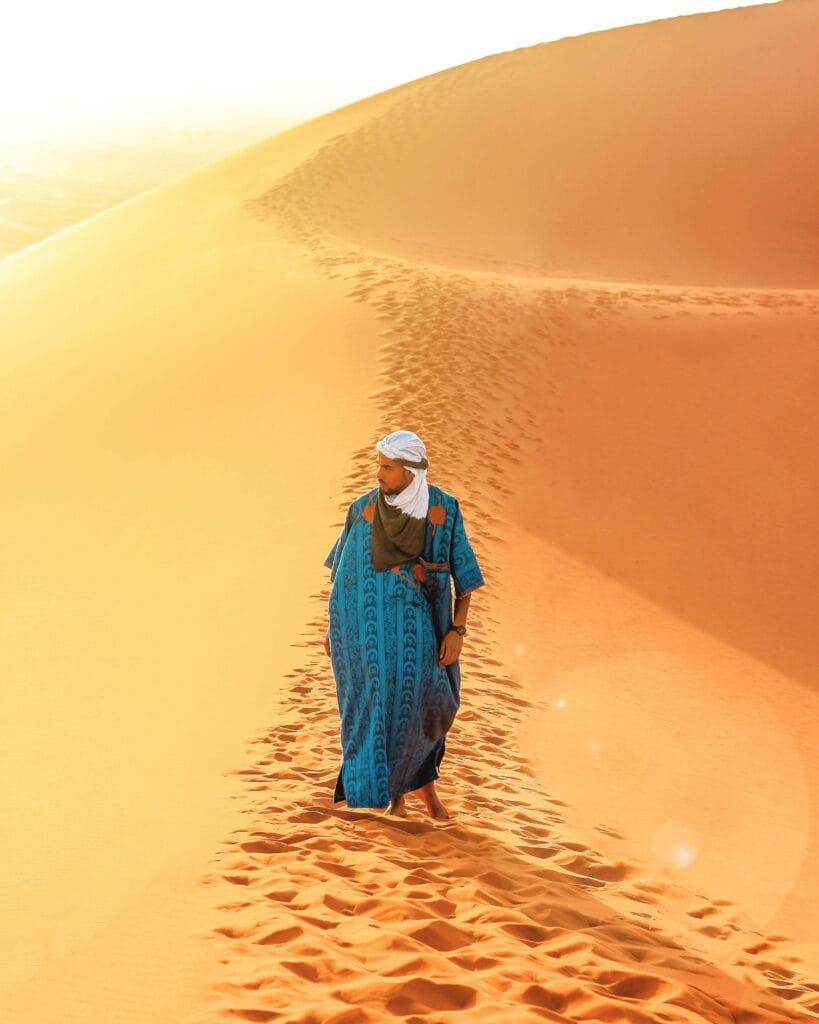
[392,476]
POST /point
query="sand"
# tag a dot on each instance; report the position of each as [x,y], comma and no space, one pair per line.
[50,183]
[609,345]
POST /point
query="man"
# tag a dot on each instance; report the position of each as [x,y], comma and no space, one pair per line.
[393,637]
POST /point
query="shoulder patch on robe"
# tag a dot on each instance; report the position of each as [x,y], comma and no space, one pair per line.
[437,514]
[369,511]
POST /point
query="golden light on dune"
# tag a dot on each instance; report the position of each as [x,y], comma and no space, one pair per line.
[638,742]
[306,58]
[547,263]
[675,845]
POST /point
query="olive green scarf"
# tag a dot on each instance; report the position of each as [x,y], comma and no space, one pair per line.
[396,537]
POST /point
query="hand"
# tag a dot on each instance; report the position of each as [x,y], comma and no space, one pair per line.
[450,648]
[327,642]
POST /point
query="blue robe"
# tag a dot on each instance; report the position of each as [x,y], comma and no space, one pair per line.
[395,702]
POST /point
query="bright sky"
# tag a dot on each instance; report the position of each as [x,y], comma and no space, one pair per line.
[70,63]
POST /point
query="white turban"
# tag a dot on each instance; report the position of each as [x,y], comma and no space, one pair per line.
[409,450]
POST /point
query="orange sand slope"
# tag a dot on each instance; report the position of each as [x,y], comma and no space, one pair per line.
[583,273]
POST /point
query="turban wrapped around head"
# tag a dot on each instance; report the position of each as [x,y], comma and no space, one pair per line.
[409,450]
[399,525]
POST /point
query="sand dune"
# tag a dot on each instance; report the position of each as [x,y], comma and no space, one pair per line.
[677,151]
[46,186]
[616,380]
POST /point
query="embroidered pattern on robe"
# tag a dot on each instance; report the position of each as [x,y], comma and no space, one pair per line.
[395,702]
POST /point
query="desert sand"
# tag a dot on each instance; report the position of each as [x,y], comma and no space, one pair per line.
[48,184]
[586,274]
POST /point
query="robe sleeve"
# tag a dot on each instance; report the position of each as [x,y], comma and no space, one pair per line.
[463,565]
[332,560]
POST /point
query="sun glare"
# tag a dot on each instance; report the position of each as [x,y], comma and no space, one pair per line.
[99,63]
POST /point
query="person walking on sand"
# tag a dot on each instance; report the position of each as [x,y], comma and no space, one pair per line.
[393,637]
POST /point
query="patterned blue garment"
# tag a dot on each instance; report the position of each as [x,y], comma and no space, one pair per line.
[395,702]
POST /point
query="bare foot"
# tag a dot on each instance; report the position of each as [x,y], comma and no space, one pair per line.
[397,809]
[430,799]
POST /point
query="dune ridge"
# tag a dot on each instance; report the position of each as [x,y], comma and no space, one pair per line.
[474,350]
[675,151]
[427,920]
[632,445]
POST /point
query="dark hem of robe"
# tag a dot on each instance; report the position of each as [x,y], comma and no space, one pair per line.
[428,772]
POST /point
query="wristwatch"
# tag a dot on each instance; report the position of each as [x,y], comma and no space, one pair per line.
[460,630]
